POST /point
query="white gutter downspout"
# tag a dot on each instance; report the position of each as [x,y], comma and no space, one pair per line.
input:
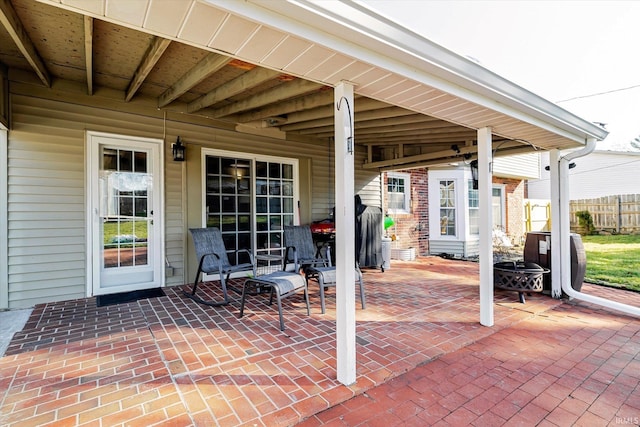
[563,246]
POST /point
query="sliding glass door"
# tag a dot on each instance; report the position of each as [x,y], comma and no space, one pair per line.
[249,199]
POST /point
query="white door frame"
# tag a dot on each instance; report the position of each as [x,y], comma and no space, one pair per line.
[92,140]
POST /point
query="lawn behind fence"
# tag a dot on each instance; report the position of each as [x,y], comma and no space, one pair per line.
[613,260]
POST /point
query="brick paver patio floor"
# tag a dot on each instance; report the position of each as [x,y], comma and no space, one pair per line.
[422,358]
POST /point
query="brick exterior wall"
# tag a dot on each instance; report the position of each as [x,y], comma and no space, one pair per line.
[412,229]
[514,201]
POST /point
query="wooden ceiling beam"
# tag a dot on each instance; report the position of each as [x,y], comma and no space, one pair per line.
[11,22]
[246,81]
[361,104]
[392,124]
[374,141]
[359,117]
[153,55]
[203,69]
[444,156]
[318,103]
[88,52]
[427,127]
[280,95]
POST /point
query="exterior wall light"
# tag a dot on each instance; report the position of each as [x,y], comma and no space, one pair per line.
[474,173]
[178,151]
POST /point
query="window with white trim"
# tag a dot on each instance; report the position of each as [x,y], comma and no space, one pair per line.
[474,212]
[447,208]
[398,192]
[250,199]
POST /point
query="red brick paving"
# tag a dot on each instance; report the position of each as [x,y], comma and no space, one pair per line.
[576,364]
[422,359]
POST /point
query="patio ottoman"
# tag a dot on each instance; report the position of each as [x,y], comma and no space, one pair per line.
[282,283]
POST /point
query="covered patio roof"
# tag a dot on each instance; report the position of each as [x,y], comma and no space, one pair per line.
[269,67]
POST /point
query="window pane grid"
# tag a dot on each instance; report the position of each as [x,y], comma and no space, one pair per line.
[447,208]
[398,193]
[230,202]
[124,207]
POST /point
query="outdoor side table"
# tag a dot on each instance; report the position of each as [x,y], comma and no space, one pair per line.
[268,263]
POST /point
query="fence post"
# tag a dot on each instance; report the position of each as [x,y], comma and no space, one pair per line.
[619,214]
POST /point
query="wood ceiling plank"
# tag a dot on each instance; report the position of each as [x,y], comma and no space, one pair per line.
[156,49]
[11,22]
[245,81]
[203,69]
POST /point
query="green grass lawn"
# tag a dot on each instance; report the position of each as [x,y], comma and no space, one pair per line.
[613,260]
[111,229]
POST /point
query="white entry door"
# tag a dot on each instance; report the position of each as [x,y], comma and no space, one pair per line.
[125,213]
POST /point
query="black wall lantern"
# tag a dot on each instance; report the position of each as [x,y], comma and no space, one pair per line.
[178,151]
[474,173]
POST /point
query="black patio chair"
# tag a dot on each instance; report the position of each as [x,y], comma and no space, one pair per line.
[212,259]
[301,250]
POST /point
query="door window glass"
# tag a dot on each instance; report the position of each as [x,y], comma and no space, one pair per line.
[125,187]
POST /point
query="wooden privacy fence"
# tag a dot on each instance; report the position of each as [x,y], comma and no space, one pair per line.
[618,214]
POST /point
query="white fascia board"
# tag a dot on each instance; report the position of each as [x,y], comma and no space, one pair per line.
[356,30]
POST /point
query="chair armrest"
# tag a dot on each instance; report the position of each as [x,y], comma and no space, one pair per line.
[248,252]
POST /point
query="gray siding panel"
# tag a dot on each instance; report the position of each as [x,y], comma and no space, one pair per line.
[46,246]
[437,247]
[46,185]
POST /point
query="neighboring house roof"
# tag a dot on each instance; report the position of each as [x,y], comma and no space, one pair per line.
[265,66]
[601,173]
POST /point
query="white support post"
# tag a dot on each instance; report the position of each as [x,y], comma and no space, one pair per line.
[556,224]
[4,225]
[485,170]
[345,234]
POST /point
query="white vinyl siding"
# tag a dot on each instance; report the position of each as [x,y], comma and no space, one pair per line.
[519,166]
[600,174]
